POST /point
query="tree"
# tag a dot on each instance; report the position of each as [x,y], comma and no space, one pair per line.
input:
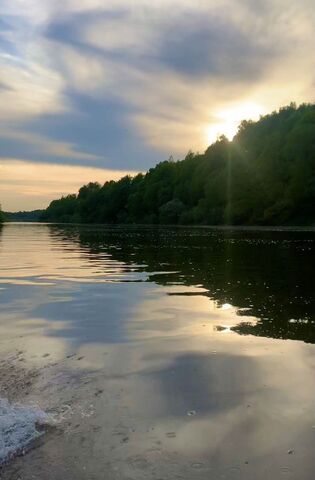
[2,218]
[171,211]
[266,175]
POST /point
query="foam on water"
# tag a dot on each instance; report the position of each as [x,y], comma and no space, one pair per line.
[18,428]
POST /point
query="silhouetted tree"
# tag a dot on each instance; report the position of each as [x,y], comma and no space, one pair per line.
[265,176]
[2,218]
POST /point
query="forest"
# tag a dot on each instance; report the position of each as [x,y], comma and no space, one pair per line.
[264,176]
[2,217]
[23,216]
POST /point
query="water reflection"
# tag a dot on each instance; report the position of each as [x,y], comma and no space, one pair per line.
[135,332]
[267,275]
[206,384]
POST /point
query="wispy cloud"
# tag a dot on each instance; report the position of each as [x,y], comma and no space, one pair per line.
[28,89]
[44,146]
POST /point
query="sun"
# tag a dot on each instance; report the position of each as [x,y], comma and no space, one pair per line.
[230,118]
[215,130]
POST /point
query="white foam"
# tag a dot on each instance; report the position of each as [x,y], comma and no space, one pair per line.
[18,428]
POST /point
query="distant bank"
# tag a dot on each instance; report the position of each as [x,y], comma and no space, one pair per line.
[23,216]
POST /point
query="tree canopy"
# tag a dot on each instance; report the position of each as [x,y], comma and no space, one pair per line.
[264,176]
[23,216]
[1,215]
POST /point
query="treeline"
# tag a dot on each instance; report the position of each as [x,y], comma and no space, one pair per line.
[2,217]
[24,216]
[265,176]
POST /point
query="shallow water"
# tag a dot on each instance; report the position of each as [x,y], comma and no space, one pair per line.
[161,352]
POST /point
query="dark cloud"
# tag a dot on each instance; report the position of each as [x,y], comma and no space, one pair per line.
[98,127]
[69,30]
[195,45]
[214,48]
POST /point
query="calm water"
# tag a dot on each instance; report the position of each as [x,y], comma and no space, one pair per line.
[160,353]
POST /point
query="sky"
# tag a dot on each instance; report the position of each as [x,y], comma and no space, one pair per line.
[91,90]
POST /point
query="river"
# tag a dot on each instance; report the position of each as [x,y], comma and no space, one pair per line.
[156,353]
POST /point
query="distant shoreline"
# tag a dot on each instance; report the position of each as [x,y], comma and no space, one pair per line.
[167,226]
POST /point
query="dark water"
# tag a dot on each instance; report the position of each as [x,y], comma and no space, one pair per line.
[161,353]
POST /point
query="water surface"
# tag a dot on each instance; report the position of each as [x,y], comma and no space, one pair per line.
[161,352]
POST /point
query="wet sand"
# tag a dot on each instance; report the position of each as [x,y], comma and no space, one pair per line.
[99,432]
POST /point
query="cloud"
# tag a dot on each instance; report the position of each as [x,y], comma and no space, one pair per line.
[121,34]
[179,72]
[123,83]
[85,72]
[26,185]
[28,89]
[46,147]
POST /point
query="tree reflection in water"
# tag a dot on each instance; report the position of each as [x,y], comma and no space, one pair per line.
[266,274]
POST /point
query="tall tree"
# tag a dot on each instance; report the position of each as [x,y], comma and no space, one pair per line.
[265,176]
[1,215]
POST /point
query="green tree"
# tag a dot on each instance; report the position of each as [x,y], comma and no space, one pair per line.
[171,211]
[265,176]
[2,218]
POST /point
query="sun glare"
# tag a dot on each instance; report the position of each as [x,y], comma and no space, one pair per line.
[230,118]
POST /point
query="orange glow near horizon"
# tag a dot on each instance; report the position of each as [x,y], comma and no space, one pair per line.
[30,186]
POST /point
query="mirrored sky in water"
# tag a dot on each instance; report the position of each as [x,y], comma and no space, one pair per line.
[197,333]
[257,282]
